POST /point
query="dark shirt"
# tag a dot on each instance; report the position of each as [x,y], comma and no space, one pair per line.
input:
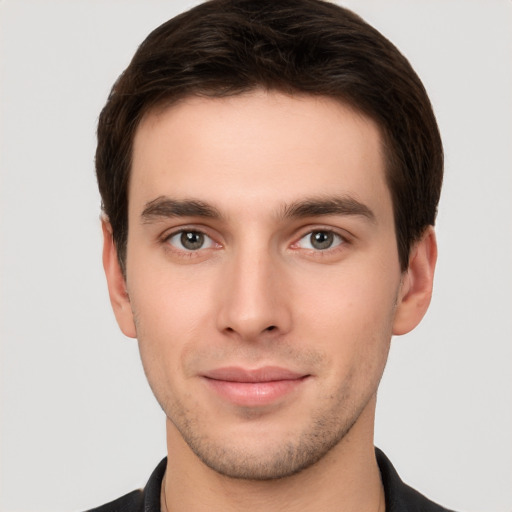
[399,496]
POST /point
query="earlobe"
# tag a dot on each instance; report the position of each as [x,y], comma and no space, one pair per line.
[417,282]
[116,283]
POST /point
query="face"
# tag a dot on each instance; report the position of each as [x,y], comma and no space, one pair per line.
[263,280]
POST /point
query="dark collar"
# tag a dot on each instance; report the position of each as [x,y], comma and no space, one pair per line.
[399,496]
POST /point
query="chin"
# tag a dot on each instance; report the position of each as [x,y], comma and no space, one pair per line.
[269,456]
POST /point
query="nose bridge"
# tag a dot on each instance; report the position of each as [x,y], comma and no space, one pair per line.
[252,303]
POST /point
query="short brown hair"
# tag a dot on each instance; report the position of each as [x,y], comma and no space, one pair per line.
[227,47]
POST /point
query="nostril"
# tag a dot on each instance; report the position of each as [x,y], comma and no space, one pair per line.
[270,328]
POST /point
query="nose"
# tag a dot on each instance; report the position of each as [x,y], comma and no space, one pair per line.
[253,302]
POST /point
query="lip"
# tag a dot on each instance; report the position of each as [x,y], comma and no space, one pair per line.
[254,387]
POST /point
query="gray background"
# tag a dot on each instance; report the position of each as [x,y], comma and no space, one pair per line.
[79,425]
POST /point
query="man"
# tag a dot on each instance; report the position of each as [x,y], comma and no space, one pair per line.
[270,173]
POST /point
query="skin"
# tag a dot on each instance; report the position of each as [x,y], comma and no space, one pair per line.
[251,178]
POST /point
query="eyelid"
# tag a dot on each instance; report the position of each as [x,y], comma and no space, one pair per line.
[337,240]
[178,230]
[345,235]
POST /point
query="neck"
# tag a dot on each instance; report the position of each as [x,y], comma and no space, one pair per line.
[347,479]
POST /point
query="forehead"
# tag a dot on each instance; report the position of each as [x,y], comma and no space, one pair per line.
[257,148]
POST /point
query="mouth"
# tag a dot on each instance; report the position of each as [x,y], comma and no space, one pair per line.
[254,387]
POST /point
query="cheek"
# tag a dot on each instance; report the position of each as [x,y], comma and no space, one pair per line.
[169,299]
[170,312]
[348,313]
[348,298]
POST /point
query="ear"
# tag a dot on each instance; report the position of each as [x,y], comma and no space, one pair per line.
[116,283]
[416,287]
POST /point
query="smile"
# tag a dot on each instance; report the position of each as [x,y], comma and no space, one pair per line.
[251,388]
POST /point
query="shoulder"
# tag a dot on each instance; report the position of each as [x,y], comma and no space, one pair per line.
[399,496]
[131,502]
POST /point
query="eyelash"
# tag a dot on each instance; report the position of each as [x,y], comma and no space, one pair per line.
[166,239]
[340,241]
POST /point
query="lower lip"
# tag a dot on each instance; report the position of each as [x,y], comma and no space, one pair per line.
[250,394]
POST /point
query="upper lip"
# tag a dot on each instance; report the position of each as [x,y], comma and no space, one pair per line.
[263,374]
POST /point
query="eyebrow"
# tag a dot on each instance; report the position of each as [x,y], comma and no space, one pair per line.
[338,205]
[165,207]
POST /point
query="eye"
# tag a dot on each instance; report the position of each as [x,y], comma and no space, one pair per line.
[190,240]
[320,240]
